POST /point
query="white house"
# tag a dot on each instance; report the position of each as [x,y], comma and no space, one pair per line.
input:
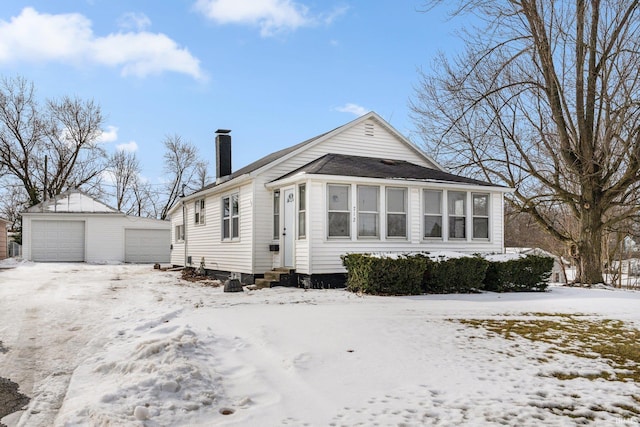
[362,187]
[74,226]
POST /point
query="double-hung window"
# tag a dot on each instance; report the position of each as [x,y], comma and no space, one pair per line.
[432,210]
[480,216]
[396,212]
[276,215]
[302,211]
[339,214]
[199,212]
[179,233]
[457,206]
[230,217]
[368,211]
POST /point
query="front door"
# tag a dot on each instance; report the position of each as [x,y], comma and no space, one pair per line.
[288,230]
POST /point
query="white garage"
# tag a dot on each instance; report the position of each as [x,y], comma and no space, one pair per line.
[57,240]
[75,227]
[146,246]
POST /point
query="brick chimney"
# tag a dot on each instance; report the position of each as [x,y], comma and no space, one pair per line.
[223,154]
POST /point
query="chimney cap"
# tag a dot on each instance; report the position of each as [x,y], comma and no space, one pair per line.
[224,131]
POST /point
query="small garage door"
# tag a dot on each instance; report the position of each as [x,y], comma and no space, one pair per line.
[57,241]
[147,246]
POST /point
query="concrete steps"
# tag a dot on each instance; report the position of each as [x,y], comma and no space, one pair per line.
[276,277]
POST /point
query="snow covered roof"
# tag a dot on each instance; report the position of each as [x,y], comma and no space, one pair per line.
[71,201]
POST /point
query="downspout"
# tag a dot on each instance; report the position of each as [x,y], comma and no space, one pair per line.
[184,227]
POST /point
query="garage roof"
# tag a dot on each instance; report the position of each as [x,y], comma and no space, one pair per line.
[71,201]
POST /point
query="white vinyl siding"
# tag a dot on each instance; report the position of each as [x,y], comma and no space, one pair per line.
[206,241]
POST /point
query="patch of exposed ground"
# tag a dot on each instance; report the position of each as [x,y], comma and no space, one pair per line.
[11,400]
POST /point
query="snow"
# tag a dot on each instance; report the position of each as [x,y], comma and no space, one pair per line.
[129,345]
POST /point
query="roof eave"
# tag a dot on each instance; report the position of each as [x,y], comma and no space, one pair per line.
[361,179]
[223,186]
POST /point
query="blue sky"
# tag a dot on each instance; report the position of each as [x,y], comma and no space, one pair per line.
[275,72]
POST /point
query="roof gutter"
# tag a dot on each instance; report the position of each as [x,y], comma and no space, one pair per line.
[393,181]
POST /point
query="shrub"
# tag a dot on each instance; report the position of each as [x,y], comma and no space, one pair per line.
[527,274]
[455,275]
[384,276]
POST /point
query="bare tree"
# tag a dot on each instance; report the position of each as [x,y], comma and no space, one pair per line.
[545,99]
[124,168]
[181,168]
[50,147]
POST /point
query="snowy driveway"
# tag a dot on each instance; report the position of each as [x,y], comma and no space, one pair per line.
[129,345]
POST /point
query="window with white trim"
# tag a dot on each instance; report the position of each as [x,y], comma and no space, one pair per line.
[457,207]
[368,211]
[339,213]
[230,217]
[276,215]
[302,211]
[199,212]
[396,212]
[179,233]
[432,211]
[480,215]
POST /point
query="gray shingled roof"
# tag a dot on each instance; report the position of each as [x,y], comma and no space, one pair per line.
[370,167]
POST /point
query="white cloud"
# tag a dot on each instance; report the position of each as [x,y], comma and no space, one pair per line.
[134,21]
[130,147]
[353,109]
[39,37]
[109,135]
[272,16]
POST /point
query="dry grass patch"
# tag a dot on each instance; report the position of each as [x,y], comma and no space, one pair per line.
[610,341]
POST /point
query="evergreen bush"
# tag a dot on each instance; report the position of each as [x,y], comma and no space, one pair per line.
[455,275]
[528,274]
[384,275]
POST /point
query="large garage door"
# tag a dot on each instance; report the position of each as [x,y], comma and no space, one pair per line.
[147,246]
[57,241]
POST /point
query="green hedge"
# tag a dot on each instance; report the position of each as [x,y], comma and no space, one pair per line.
[416,273]
[455,275]
[385,276]
[527,274]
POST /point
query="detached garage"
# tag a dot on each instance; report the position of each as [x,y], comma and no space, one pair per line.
[75,227]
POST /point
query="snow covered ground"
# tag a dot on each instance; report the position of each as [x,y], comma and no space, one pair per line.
[129,345]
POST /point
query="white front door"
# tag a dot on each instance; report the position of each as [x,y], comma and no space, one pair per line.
[288,230]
